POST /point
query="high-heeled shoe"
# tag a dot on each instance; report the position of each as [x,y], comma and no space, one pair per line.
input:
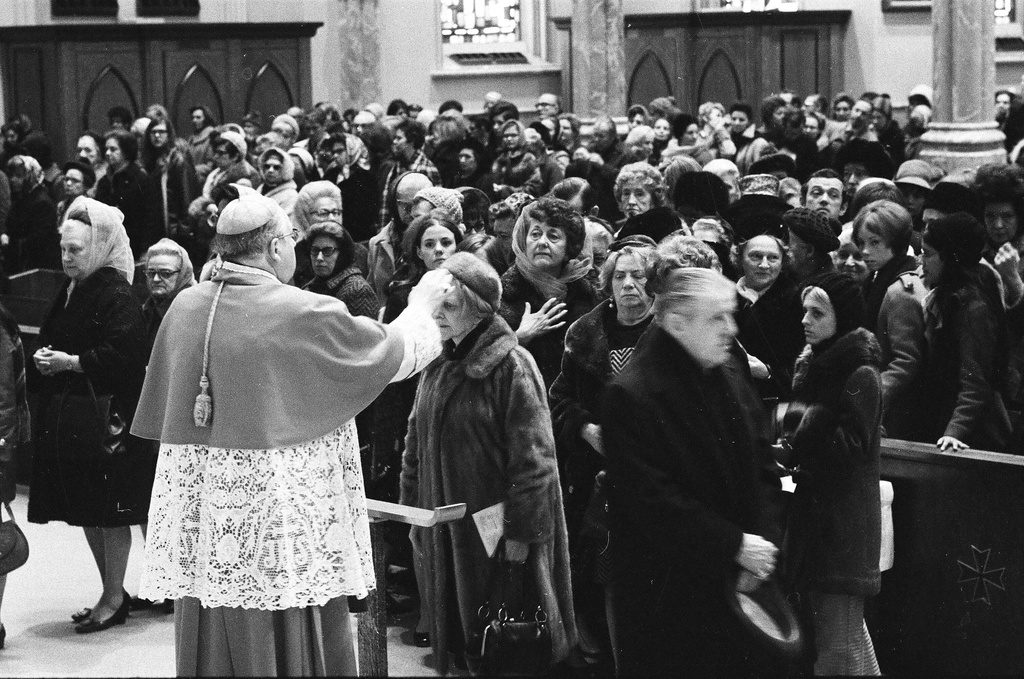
[118,617]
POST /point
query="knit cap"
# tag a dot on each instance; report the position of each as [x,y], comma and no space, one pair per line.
[447,200]
[775,162]
[811,227]
[847,297]
[477,275]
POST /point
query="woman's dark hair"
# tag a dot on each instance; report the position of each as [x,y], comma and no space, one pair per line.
[414,267]
[37,145]
[119,113]
[997,183]
[570,187]
[475,205]
[396,106]
[415,132]
[680,123]
[561,215]
[959,240]
[638,108]
[126,142]
[96,137]
[495,250]
[450,105]
[210,121]
[150,154]
[743,107]
[346,246]
[768,107]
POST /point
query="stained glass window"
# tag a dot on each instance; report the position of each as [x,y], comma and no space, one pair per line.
[480,21]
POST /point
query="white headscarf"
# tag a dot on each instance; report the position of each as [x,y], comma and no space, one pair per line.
[109,245]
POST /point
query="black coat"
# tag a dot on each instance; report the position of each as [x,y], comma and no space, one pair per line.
[32,226]
[771,330]
[546,349]
[360,201]
[833,536]
[690,473]
[126,190]
[103,325]
[575,398]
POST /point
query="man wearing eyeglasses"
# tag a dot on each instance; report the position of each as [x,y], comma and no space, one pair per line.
[548,106]
[252,389]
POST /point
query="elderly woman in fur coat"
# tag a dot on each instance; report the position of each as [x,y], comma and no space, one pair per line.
[833,538]
[480,433]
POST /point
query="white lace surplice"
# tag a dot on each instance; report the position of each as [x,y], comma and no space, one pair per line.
[259,529]
[269,529]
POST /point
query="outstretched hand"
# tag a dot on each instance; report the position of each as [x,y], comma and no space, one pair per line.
[547,318]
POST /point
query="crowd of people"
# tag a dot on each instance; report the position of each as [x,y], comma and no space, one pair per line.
[623,333]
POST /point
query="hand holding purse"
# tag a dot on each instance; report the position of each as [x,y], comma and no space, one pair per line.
[515,639]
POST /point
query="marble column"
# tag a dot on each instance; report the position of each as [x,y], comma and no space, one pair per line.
[963,134]
[359,54]
[598,59]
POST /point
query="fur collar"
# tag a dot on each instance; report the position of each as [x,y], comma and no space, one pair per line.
[489,350]
[833,365]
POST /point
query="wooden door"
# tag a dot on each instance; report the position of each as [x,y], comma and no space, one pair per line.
[191,73]
[652,58]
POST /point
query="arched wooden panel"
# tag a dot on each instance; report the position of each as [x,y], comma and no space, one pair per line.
[719,80]
[196,88]
[108,89]
[649,80]
[269,93]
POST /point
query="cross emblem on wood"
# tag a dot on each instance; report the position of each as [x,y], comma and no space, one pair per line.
[979,575]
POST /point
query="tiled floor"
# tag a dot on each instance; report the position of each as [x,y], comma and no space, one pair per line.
[60,578]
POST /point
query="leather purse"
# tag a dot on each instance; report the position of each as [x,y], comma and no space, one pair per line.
[515,639]
[90,423]
[13,544]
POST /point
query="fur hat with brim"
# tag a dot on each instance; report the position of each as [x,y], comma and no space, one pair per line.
[477,275]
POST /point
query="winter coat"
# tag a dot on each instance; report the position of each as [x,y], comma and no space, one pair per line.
[350,287]
[171,186]
[547,348]
[690,473]
[513,170]
[126,190]
[834,520]
[32,226]
[284,194]
[480,433]
[102,324]
[899,328]
[771,330]
[962,374]
[575,401]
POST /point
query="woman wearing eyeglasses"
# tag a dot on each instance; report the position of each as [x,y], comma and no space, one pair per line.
[316,202]
[171,182]
[168,271]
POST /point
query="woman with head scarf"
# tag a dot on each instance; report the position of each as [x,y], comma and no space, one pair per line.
[278,171]
[168,271]
[965,331]
[91,366]
[350,169]
[834,518]
[547,289]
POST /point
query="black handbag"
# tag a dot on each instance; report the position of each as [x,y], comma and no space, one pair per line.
[90,423]
[13,544]
[515,639]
